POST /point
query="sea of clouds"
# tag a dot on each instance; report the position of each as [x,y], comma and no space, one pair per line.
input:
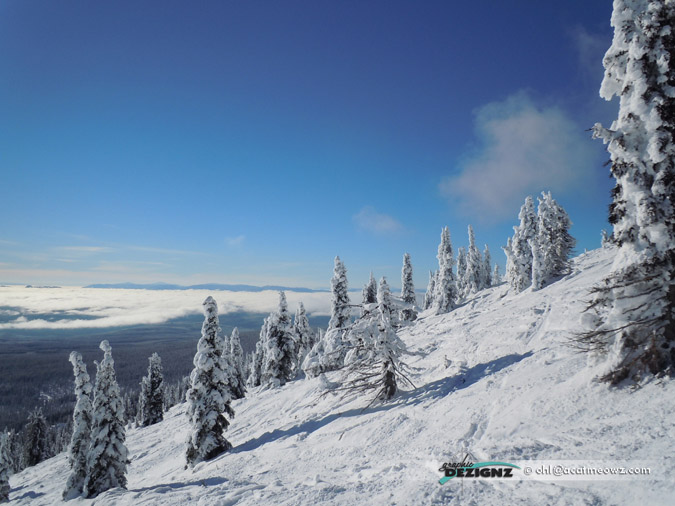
[76,308]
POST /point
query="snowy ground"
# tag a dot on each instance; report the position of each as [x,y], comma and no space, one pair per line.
[514,391]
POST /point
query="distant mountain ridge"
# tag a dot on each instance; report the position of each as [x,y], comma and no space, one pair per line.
[206,286]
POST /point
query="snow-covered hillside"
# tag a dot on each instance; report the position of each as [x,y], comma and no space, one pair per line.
[513,390]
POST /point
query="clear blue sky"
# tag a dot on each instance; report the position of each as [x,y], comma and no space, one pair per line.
[253,141]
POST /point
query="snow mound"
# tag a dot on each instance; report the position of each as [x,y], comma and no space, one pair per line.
[495,378]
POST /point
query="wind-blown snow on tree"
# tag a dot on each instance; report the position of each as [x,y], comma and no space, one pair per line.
[107,458]
[5,466]
[258,357]
[407,285]
[280,353]
[518,250]
[384,301]
[370,291]
[82,422]
[631,318]
[210,393]
[151,399]
[461,272]
[431,290]
[446,294]
[340,313]
[237,360]
[486,271]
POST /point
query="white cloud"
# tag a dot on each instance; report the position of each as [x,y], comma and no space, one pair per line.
[370,220]
[235,242]
[83,249]
[113,308]
[525,149]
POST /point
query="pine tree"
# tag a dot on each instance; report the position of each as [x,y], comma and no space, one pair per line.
[407,286]
[461,272]
[82,423]
[474,265]
[5,466]
[258,357]
[107,457]
[384,302]
[518,251]
[446,295]
[634,322]
[431,289]
[496,276]
[340,313]
[36,448]
[151,404]
[210,393]
[486,276]
[369,293]
[280,356]
[303,334]
[237,359]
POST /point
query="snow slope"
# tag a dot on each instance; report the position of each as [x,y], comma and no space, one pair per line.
[513,391]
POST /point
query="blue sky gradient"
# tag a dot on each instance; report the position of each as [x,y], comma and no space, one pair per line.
[251,142]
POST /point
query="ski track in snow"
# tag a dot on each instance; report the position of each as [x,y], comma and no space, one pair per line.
[513,390]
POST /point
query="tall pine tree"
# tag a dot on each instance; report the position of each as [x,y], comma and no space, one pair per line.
[237,359]
[5,466]
[107,458]
[340,312]
[151,399]
[280,354]
[36,446]
[446,294]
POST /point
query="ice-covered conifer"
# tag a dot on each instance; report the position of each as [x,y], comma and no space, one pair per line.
[5,466]
[486,273]
[303,334]
[407,286]
[237,360]
[258,357]
[370,291]
[518,251]
[107,458]
[151,399]
[384,302]
[496,276]
[36,447]
[446,295]
[210,393]
[340,312]
[280,353]
[431,290]
[634,322]
[474,265]
[461,271]
[82,422]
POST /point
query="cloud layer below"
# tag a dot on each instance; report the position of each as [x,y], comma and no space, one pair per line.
[524,149]
[102,308]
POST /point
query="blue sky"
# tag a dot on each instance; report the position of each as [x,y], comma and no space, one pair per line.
[251,142]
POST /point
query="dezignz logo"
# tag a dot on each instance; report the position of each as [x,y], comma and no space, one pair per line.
[468,469]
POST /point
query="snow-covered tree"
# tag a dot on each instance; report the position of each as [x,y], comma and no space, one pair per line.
[369,292]
[606,239]
[107,458]
[151,399]
[237,360]
[446,295]
[384,301]
[431,290]
[303,334]
[486,272]
[82,422]
[5,466]
[407,286]
[631,317]
[36,447]
[280,354]
[210,393]
[518,251]
[496,276]
[340,312]
[461,272]
[474,266]
[255,373]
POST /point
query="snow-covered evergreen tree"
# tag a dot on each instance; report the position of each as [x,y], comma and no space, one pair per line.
[255,373]
[82,422]
[369,292]
[210,392]
[431,290]
[635,307]
[518,251]
[151,399]
[5,466]
[340,312]
[474,266]
[384,301]
[562,242]
[107,458]
[606,239]
[280,353]
[539,265]
[36,445]
[496,276]
[461,272]
[303,334]
[237,360]
[446,295]
[486,272]
[407,285]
